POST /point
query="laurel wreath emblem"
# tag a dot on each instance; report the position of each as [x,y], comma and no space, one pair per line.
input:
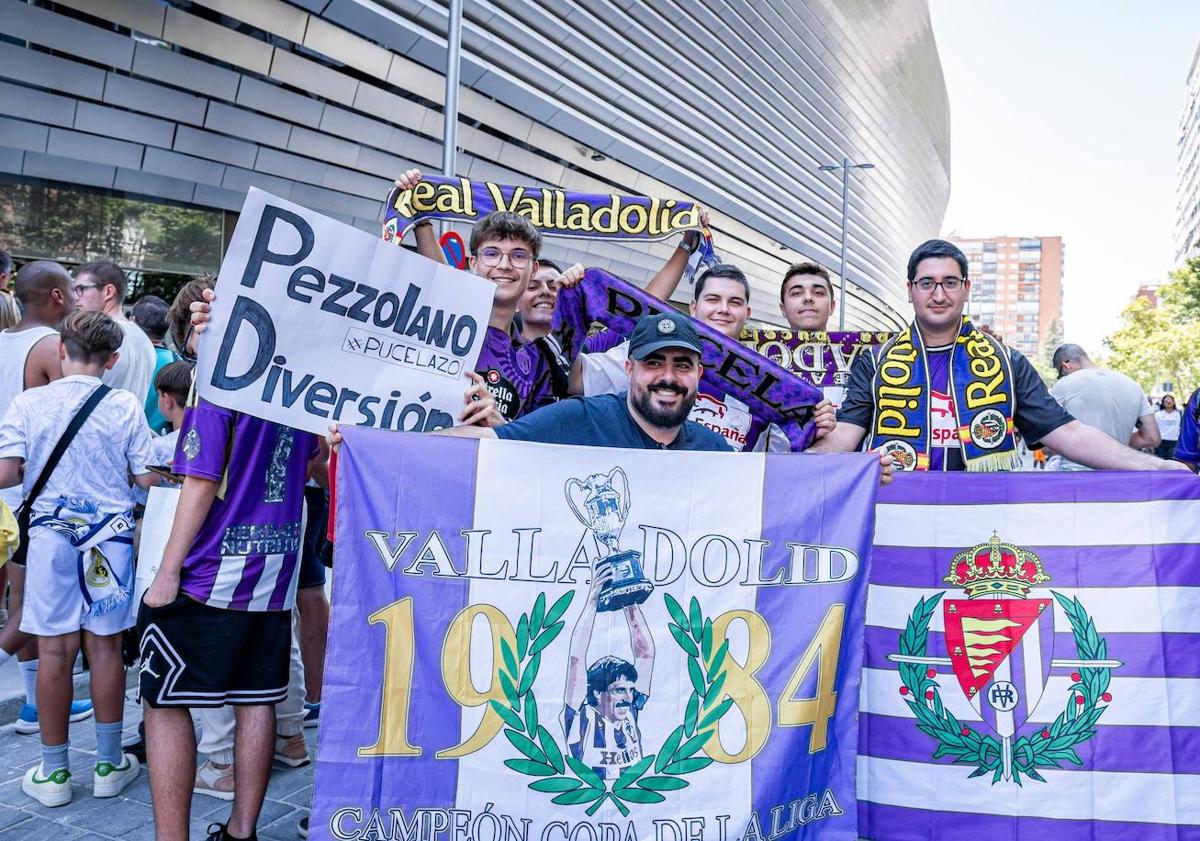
[571,781]
[1048,748]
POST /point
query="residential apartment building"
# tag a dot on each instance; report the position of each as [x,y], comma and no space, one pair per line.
[1016,286]
[1187,184]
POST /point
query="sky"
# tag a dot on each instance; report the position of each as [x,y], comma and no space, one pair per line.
[1064,118]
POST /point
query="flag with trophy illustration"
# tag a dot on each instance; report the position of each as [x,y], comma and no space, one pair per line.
[1032,663]
[540,643]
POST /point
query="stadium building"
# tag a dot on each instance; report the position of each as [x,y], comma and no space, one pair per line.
[133,128]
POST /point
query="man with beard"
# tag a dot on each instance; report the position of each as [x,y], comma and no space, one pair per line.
[664,373]
[721,299]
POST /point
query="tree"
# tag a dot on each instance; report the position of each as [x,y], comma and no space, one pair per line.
[1160,344]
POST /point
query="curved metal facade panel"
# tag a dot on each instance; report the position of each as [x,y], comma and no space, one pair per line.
[729,102]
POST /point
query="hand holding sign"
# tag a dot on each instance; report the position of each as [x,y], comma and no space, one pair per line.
[316,321]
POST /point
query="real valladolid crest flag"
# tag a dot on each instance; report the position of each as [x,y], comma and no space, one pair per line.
[487,690]
[1031,659]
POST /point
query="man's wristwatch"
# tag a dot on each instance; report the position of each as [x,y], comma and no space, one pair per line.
[690,241]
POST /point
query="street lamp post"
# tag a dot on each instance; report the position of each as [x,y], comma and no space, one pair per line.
[845,166]
[450,111]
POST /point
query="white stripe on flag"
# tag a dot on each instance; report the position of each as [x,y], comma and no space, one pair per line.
[1071,795]
[1041,524]
[1124,610]
[1137,701]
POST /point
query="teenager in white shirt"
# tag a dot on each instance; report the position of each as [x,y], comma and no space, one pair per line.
[79,569]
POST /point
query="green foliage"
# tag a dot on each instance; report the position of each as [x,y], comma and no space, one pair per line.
[1156,345]
[1162,344]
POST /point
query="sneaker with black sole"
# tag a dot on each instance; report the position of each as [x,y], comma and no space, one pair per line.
[51,791]
[302,828]
[109,780]
[27,720]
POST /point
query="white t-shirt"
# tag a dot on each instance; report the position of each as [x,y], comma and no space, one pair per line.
[136,360]
[1107,400]
[1168,424]
[113,442]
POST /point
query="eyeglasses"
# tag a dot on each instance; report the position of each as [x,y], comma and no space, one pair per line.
[949,284]
[80,288]
[518,258]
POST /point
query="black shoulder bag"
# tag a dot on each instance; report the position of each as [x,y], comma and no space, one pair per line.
[25,512]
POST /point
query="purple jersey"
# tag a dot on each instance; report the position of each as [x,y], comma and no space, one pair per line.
[244,556]
[515,372]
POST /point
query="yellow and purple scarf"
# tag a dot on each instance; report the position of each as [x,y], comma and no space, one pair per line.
[981,389]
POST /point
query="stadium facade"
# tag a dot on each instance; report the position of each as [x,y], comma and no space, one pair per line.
[143,107]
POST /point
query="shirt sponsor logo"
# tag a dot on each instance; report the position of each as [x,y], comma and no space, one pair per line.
[944,430]
[728,421]
[507,400]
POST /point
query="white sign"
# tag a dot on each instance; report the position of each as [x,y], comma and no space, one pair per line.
[316,321]
[161,502]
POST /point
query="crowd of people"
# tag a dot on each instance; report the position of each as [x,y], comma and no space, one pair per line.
[96,408]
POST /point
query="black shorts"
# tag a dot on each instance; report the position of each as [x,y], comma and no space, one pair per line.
[317,552]
[194,655]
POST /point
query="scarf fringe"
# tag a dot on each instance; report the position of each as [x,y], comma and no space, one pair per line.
[108,604]
[994,462]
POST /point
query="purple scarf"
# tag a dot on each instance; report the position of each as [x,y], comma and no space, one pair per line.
[819,357]
[773,394]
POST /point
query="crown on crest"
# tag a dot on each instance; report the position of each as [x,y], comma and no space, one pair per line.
[996,569]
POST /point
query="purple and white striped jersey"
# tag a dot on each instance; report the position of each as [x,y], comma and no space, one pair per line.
[244,556]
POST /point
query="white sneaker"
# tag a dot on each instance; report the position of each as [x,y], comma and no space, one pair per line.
[51,791]
[109,780]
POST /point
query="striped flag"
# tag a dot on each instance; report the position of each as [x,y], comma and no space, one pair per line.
[1032,660]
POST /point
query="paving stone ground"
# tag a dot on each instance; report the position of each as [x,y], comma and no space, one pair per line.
[129,816]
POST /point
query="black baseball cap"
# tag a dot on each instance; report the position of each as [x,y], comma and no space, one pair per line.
[664,330]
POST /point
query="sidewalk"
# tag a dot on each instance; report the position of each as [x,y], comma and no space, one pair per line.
[128,817]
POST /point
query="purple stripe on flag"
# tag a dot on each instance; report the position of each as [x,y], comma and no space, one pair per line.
[1163,565]
[390,482]
[897,823]
[1037,487]
[836,510]
[1142,655]
[1147,749]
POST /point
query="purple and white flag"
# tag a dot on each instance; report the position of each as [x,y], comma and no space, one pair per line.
[1032,664]
[541,643]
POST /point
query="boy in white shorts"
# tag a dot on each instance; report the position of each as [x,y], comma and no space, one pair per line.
[79,571]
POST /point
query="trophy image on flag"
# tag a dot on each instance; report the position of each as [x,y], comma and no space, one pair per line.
[605,505]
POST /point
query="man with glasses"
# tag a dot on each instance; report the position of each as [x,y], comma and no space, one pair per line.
[944,395]
[101,287]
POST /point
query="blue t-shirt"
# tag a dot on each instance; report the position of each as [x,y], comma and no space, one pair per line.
[162,358]
[602,421]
